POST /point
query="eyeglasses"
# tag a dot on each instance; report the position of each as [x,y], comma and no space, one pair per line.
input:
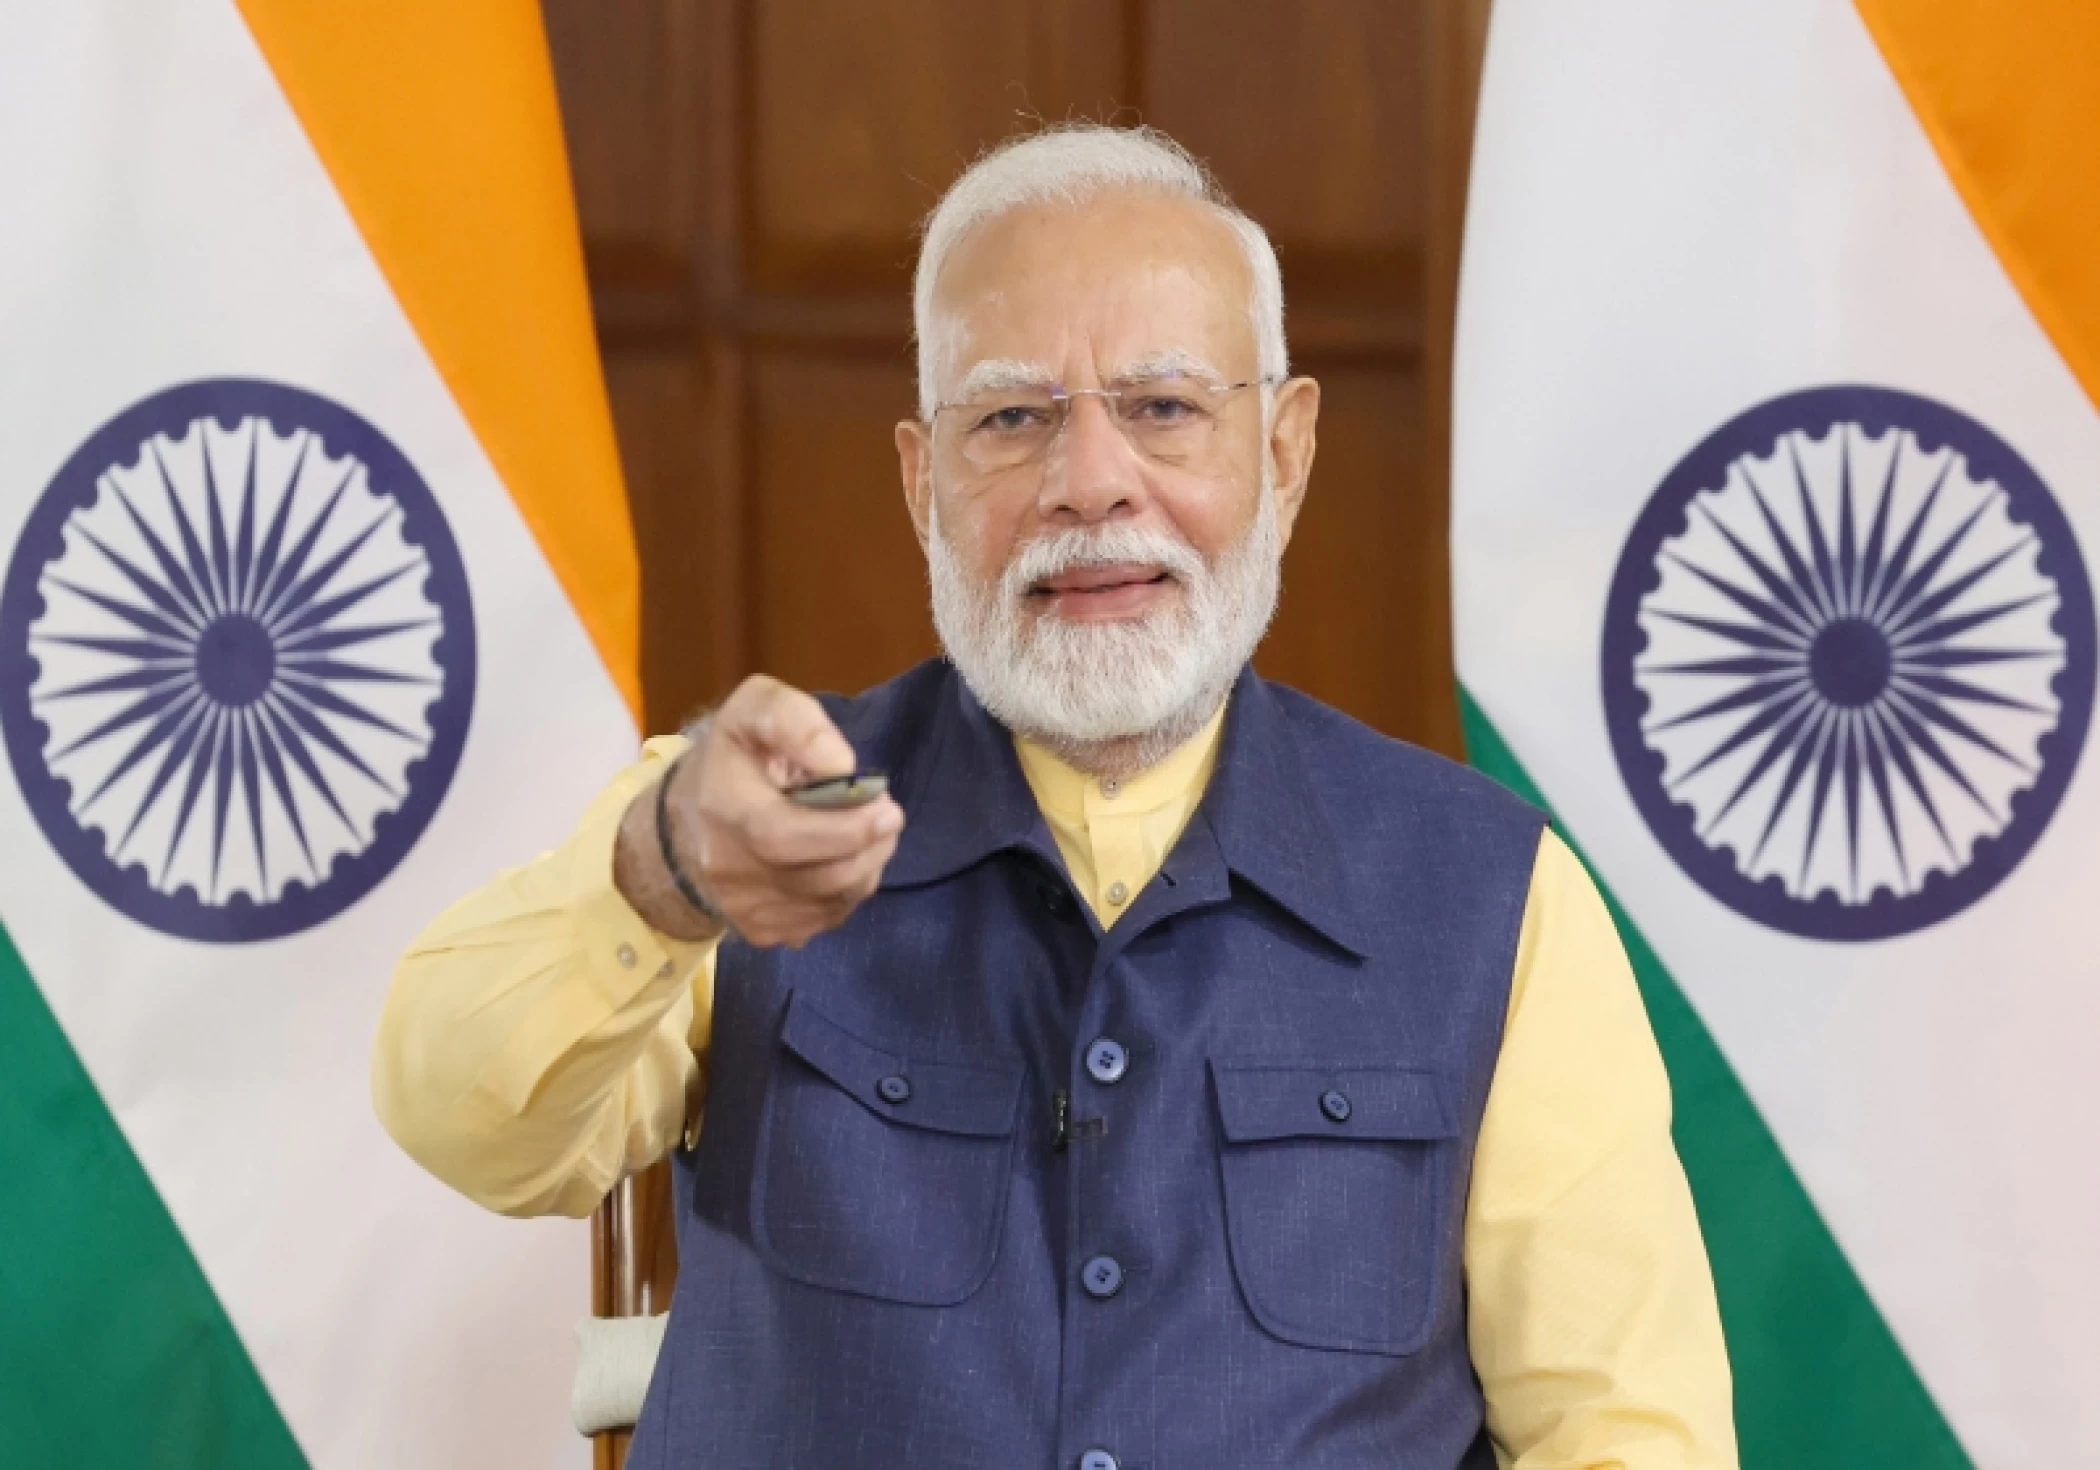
[1171,421]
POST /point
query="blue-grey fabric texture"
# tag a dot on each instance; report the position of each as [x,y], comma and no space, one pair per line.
[877,1273]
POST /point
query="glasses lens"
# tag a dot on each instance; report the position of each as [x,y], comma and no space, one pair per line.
[1005,429]
[1174,420]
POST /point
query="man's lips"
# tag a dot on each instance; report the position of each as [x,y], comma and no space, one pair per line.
[1103,594]
[1100,579]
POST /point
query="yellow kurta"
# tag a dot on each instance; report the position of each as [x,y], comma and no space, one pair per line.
[541,1040]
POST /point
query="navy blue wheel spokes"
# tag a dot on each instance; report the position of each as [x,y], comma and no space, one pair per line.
[242,641]
[1849,648]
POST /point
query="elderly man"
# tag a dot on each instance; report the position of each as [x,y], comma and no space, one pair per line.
[1170,1073]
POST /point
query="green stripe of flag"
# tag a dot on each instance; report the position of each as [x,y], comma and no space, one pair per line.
[114,1353]
[1820,1381]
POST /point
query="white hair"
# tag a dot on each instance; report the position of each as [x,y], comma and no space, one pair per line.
[1070,164]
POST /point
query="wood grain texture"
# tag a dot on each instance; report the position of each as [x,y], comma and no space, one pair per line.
[634,1268]
[830,529]
[1313,117]
[751,175]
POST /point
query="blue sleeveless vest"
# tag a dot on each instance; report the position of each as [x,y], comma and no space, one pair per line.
[983,1187]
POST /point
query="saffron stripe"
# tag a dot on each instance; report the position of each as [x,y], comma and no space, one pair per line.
[2010,97]
[438,125]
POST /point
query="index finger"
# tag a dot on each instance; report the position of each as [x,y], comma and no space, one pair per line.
[783,722]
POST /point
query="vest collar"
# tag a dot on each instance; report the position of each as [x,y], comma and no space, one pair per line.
[1269,825]
[965,798]
[962,791]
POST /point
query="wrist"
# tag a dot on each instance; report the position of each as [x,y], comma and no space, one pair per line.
[688,887]
[650,884]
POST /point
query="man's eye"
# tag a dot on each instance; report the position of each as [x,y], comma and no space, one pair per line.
[1017,418]
[1164,409]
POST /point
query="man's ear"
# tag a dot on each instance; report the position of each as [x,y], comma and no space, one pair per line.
[915,465]
[1293,437]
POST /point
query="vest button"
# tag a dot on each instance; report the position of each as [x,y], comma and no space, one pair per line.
[1098,1460]
[1102,1277]
[1335,1105]
[1054,900]
[895,1088]
[1106,1061]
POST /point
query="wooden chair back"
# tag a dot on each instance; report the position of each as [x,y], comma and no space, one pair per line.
[634,1269]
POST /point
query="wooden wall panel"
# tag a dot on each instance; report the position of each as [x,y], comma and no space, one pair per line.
[1313,117]
[845,158]
[632,146]
[840,585]
[1365,577]
[687,529]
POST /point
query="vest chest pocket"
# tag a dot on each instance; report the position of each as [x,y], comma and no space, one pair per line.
[1337,1186]
[878,1174]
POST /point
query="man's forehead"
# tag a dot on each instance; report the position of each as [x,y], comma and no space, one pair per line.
[1106,283]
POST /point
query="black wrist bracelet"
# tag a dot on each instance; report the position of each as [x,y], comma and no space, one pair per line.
[687,888]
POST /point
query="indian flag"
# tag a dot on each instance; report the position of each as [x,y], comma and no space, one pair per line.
[1777,504]
[318,608]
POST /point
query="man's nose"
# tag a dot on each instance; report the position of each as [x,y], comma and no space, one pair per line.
[1092,473]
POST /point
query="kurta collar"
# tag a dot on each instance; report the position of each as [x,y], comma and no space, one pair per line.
[1063,790]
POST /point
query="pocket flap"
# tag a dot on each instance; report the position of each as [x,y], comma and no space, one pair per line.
[946,1097]
[1260,1101]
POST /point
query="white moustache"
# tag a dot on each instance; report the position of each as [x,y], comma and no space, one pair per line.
[1099,546]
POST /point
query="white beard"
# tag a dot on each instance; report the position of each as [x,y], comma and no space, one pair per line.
[1112,694]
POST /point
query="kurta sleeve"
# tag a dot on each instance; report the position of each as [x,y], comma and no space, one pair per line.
[539,1039]
[1593,1325]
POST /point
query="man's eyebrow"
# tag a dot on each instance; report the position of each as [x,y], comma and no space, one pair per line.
[1004,374]
[999,375]
[1174,362]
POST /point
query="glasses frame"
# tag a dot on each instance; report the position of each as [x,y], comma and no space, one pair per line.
[1062,399]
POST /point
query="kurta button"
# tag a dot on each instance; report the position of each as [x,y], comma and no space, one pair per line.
[1335,1105]
[1117,892]
[625,955]
[1102,1277]
[1098,1460]
[895,1088]
[1106,1061]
